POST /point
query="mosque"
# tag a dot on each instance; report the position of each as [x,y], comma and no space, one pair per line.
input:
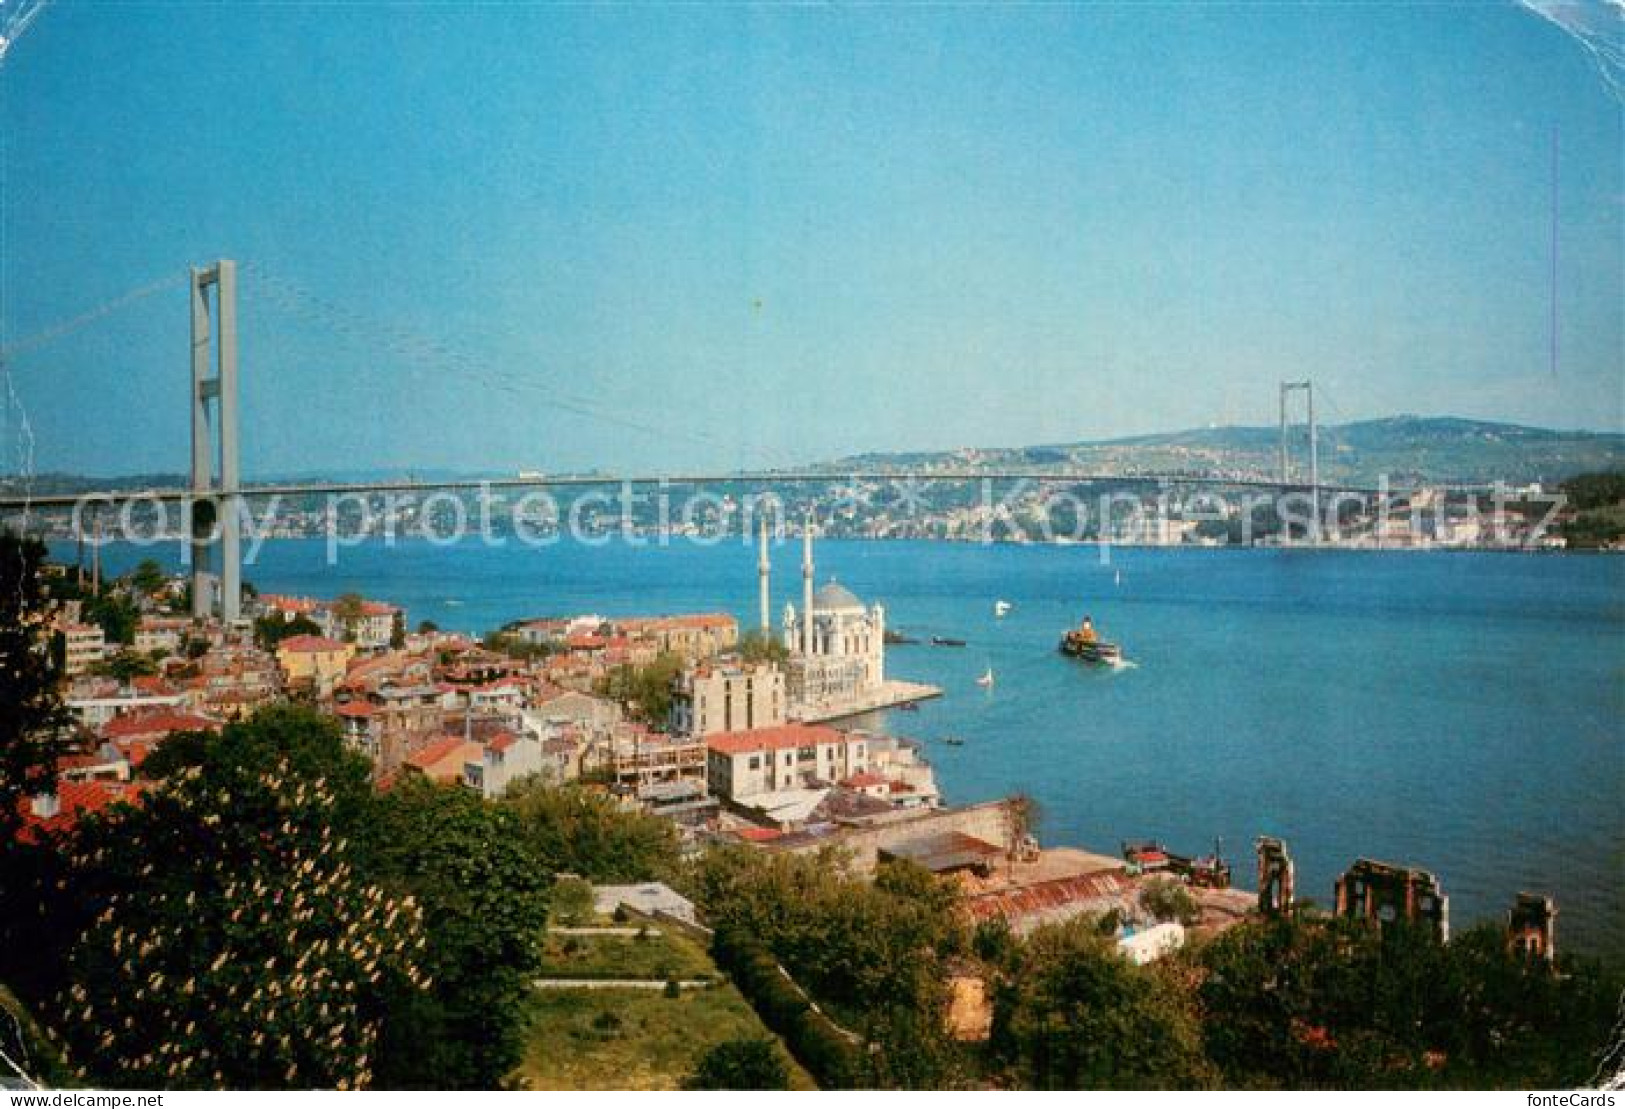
[837,645]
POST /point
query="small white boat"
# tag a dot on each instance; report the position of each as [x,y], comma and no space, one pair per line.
[1001,607]
[1117,577]
[986,680]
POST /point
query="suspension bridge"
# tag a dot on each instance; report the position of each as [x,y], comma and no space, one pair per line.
[212,501]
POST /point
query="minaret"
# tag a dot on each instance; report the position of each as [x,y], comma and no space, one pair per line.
[763,568]
[807,587]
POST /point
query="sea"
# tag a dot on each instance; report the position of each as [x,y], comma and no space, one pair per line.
[1462,712]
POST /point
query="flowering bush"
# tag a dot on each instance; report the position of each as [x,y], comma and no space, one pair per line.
[237,946]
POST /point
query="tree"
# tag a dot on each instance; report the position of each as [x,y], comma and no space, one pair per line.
[148,578]
[757,645]
[397,630]
[272,630]
[1307,1002]
[304,739]
[873,952]
[646,690]
[484,897]
[743,1064]
[579,831]
[348,611]
[126,664]
[1075,1014]
[573,901]
[33,723]
[427,627]
[1168,899]
[236,943]
[114,613]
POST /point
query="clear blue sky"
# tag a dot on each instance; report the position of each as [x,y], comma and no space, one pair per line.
[562,237]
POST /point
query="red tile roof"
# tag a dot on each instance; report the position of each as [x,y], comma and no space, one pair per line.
[863,780]
[757,835]
[310,643]
[74,799]
[503,741]
[156,724]
[773,739]
[435,752]
[356,709]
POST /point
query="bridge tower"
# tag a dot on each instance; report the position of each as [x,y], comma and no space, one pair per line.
[214,508]
[1307,388]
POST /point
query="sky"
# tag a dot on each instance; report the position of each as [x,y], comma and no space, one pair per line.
[478,237]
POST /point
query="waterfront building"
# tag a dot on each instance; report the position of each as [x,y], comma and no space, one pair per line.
[727,696]
[836,644]
[744,764]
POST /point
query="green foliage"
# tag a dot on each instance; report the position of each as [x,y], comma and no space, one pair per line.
[426,627]
[484,899]
[306,740]
[757,645]
[237,945]
[1599,503]
[113,612]
[273,629]
[147,578]
[507,643]
[873,952]
[832,1058]
[127,664]
[752,1064]
[397,630]
[1598,490]
[1074,1014]
[646,690]
[1168,899]
[348,610]
[33,721]
[572,901]
[1309,1002]
[574,830]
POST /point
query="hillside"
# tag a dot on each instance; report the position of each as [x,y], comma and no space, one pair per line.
[1405,448]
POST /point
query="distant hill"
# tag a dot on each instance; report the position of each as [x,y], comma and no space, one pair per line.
[1405,448]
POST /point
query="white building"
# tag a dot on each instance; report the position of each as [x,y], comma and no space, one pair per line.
[83,646]
[837,645]
[508,757]
[727,697]
[741,765]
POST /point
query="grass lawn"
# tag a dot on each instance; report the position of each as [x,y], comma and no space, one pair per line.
[617,1039]
[668,955]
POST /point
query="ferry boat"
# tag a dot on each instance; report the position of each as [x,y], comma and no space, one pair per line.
[945,641]
[1082,643]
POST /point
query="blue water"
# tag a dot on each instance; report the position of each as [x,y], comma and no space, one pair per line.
[1461,712]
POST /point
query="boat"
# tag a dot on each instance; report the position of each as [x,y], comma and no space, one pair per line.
[953,741]
[986,680]
[1001,607]
[909,706]
[1205,872]
[945,641]
[1082,643]
[897,638]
